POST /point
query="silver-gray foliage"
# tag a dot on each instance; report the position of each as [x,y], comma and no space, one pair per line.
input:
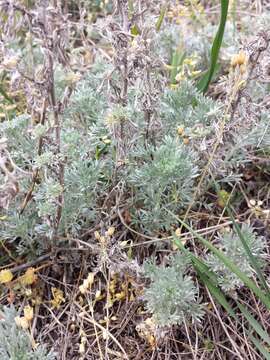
[15,343]
[172,296]
[233,248]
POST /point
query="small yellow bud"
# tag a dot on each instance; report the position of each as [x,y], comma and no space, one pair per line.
[82,289]
[239,59]
[186,141]
[102,240]
[5,276]
[178,232]
[97,235]
[82,348]
[28,313]
[29,277]
[223,197]
[121,295]
[58,298]
[98,295]
[111,231]
[179,77]
[123,243]
[90,278]
[180,130]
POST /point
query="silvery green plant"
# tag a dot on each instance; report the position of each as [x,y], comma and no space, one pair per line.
[155,166]
[163,179]
[232,246]
[160,175]
[250,142]
[185,106]
[172,296]
[15,343]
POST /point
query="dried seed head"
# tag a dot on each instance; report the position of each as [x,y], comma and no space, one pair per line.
[22,322]
[239,59]
[28,313]
[111,231]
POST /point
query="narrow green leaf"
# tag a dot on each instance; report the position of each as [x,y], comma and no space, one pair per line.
[251,257]
[161,17]
[265,352]
[218,295]
[206,79]
[5,95]
[230,265]
[177,60]
[206,278]
[237,228]
[255,324]
[130,8]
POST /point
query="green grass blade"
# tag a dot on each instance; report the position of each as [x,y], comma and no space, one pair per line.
[251,257]
[177,60]
[200,265]
[217,294]
[206,278]
[230,265]
[221,299]
[263,350]
[161,17]
[206,79]
[5,95]
[130,8]
[254,324]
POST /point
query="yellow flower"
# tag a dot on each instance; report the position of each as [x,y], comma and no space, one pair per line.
[121,295]
[58,298]
[180,130]
[28,313]
[111,231]
[223,197]
[29,277]
[180,76]
[5,276]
